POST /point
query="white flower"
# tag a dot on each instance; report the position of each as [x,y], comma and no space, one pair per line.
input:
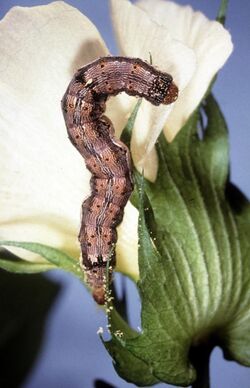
[211,44]
[43,178]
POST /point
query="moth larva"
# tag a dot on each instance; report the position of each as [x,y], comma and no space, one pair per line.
[107,158]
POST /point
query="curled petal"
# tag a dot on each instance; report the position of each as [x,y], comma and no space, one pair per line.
[211,43]
[43,178]
[139,36]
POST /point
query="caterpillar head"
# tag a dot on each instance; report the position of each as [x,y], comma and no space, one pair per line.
[171,95]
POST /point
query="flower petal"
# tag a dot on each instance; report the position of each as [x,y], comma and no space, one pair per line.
[43,178]
[211,43]
[127,244]
[139,36]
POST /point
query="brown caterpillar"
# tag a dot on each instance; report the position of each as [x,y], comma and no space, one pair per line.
[106,157]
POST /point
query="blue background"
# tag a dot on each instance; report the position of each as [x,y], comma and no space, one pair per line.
[72,354]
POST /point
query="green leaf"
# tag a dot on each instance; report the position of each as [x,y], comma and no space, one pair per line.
[54,259]
[102,384]
[127,365]
[12,263]
[126,138]
[127,131]
[24,304]
[193,259]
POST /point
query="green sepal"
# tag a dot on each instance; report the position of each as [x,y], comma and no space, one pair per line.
[127,131]
[24,304]
[54,258]
[193,257]
[124,360]
[13,263]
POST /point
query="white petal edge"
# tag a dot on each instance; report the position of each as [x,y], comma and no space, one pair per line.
[211,43]
[43,178]
[139,36]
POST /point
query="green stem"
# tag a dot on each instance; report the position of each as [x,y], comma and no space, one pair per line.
[200,356]
[221,17]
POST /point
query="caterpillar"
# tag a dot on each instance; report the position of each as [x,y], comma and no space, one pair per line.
[107,158]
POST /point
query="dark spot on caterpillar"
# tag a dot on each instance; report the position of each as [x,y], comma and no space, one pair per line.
[132,76]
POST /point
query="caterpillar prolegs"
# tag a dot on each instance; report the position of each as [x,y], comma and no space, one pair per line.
[107,158]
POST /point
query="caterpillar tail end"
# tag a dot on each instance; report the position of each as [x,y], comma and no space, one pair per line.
[96,279]
[99,295]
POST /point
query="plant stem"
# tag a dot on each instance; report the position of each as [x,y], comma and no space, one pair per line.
[221,17]
[200,356]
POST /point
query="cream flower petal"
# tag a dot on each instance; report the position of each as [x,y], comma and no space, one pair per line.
[127,244]
[139,36]
[211,43]
[43,178]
